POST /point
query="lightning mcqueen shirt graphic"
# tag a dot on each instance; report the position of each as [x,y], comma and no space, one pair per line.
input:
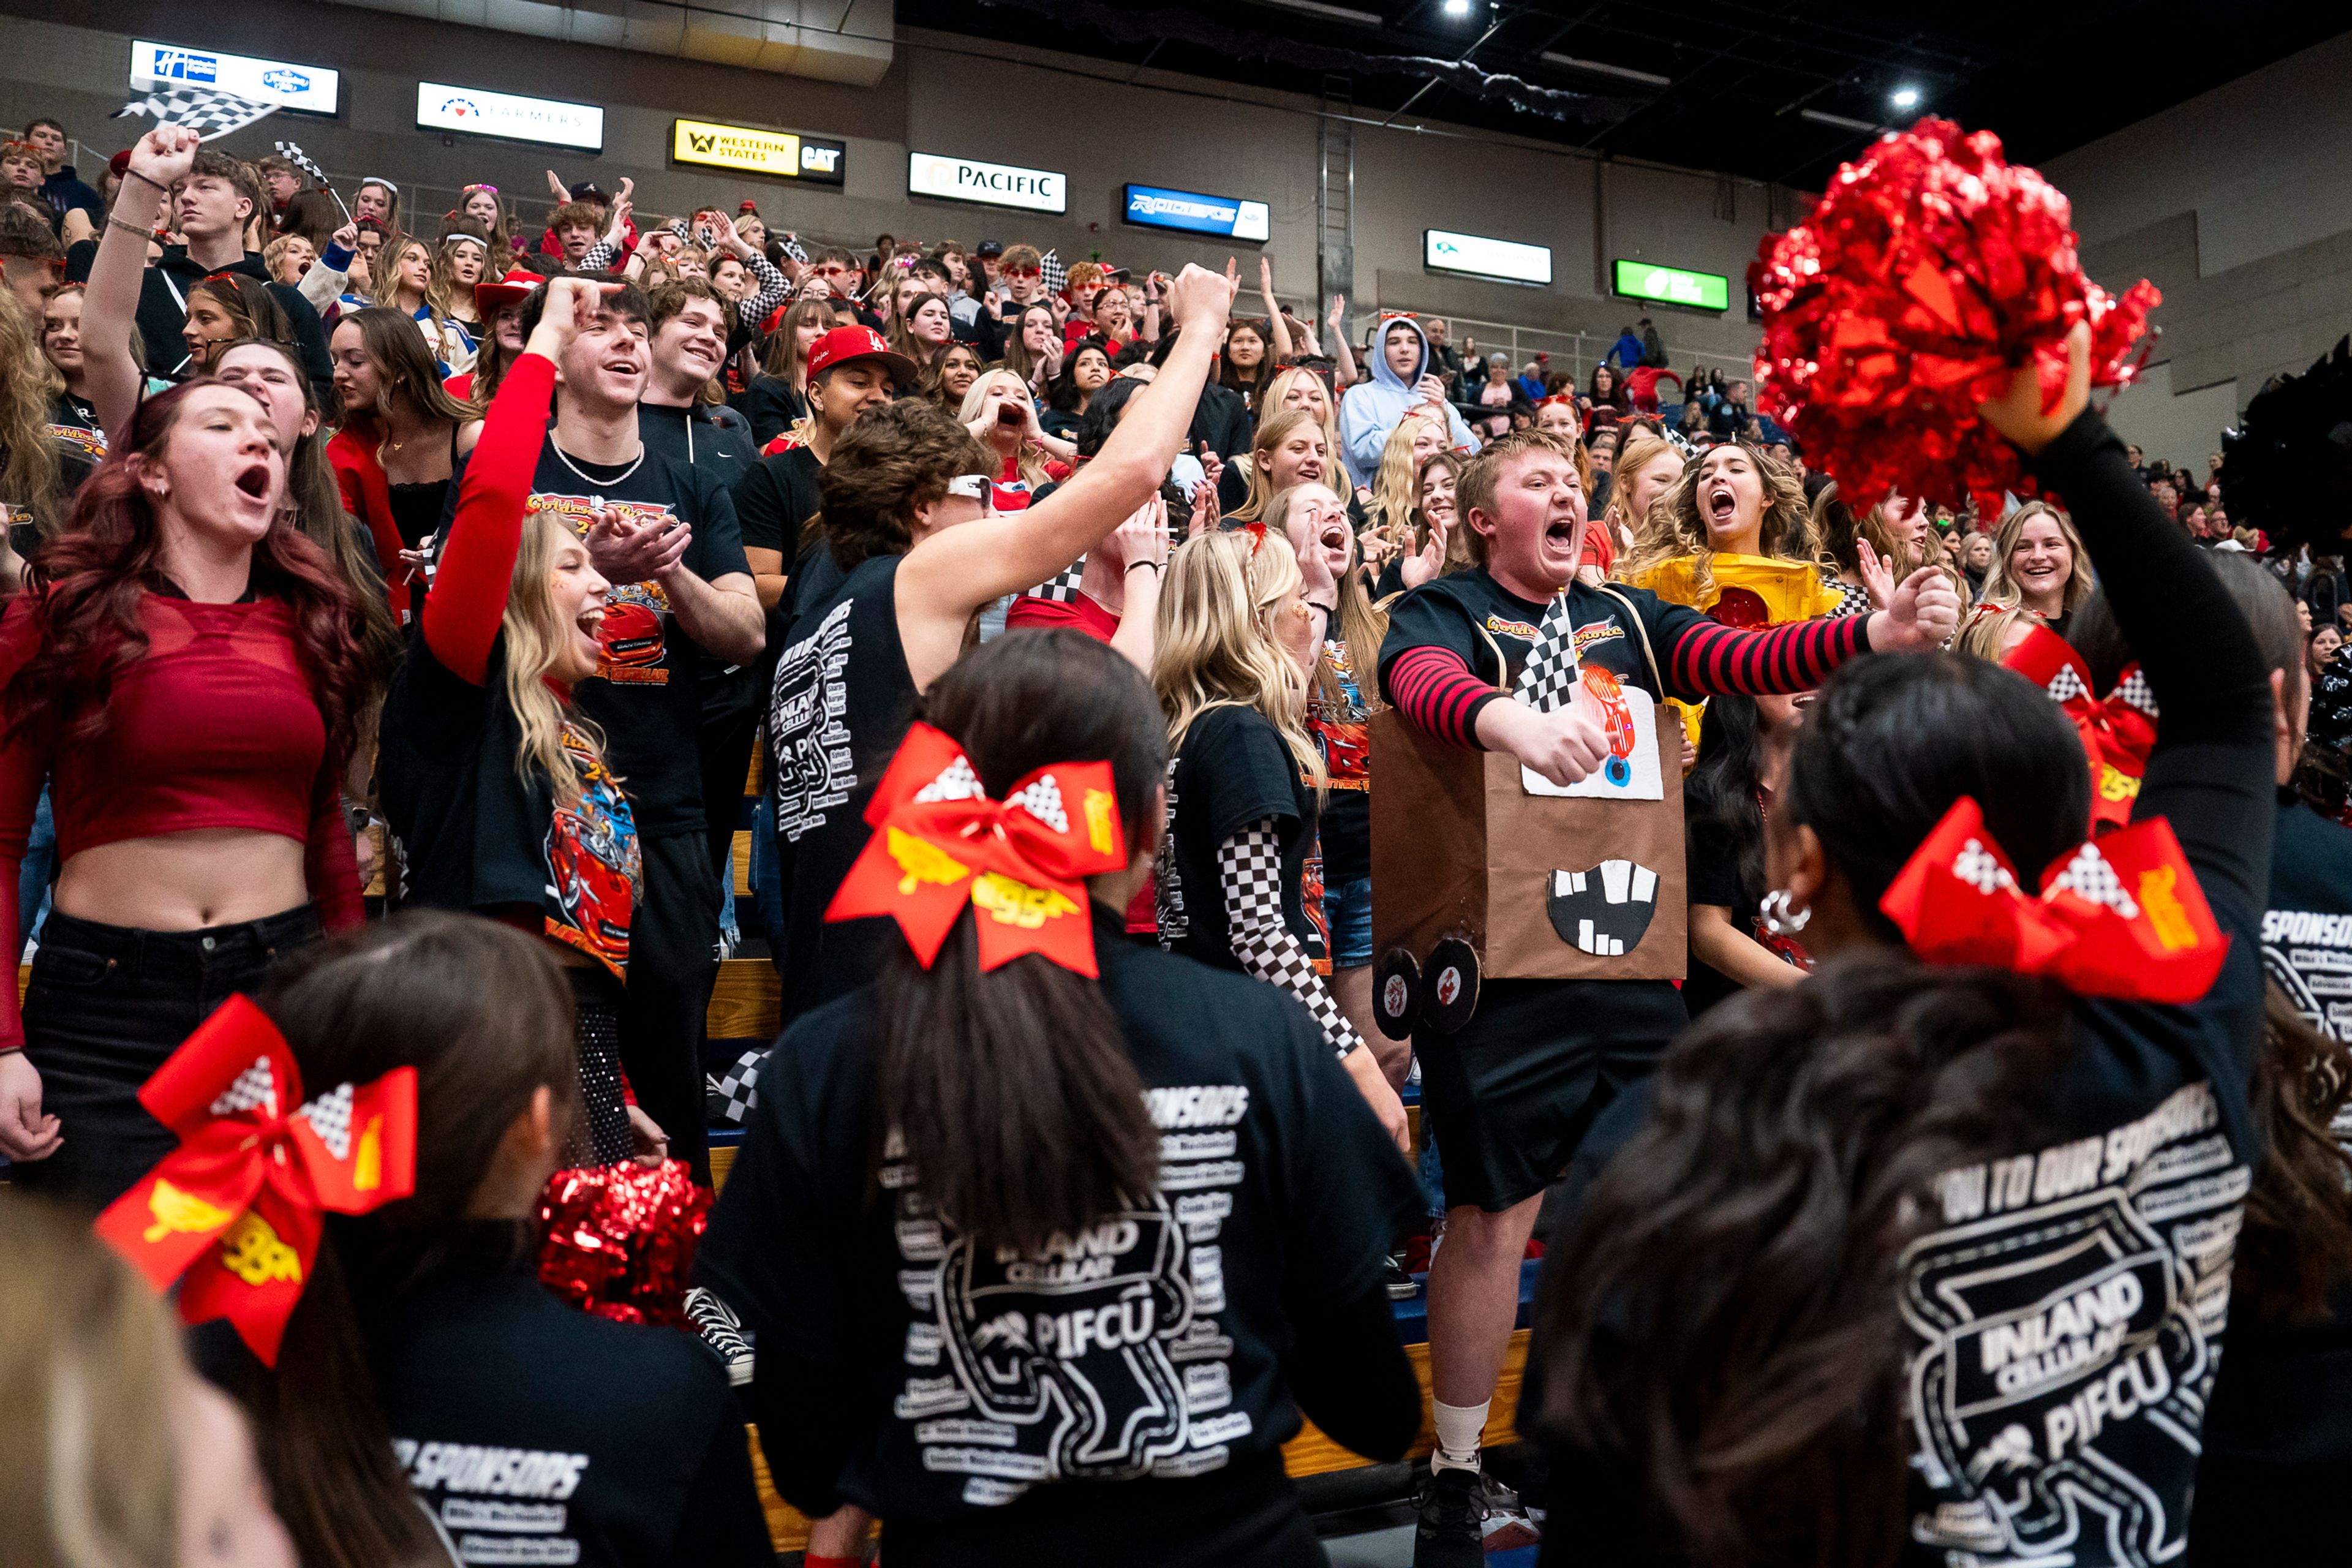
[1147,1349]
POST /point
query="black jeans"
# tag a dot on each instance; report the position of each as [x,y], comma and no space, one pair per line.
[672,966]
[106,1006]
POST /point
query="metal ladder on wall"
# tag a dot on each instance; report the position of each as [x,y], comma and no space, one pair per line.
[1335,200]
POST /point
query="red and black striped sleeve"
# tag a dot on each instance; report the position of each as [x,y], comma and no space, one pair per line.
[1434,688]
[1705,658]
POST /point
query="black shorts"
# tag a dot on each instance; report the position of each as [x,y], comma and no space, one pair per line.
[1510,1096]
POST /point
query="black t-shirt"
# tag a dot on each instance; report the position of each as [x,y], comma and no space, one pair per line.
[2307,931]
[1230,770]
[1341,731]
[775,497]
[1151,1349]
[476,834]
[772,407]
[1711,874]
[1471,614]
[839,707]
[538,1434]
[644,695]
[80,444]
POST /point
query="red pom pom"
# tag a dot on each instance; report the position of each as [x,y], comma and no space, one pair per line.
[619,1239]
[1932,268]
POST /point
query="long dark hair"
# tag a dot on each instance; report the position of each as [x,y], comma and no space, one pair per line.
[1721,1321]
[404,367]
[483,1014]
[1014,1088]
[2294,1253]
[85,586]
[1722,787]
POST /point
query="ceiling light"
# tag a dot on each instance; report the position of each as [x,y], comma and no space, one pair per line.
[1457,7]
[1905,97]
[1602,68]
[1842,121]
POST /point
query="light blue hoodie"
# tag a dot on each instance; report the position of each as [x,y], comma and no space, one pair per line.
[1373,409]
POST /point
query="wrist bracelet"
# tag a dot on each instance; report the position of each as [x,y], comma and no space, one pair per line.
[1326,609]
[149,181]
[127,227]
[1133,564]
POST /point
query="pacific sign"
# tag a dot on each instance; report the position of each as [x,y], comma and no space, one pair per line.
[995,184]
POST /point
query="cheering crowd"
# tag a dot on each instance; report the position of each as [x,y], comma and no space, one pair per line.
[1882,958]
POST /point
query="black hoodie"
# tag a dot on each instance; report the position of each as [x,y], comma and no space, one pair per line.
[164,312]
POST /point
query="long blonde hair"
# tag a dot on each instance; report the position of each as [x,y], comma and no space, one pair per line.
[90,1366]
[1032,460]
[1359,625]
[1279,388]
[29,473]
[1676,528]
[1396,487]
[1271,431]
[1215,640]
[533,632]
[2001,590]
[1640,447]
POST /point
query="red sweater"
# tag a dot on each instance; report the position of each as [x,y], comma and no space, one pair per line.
[216,726]
[368,497]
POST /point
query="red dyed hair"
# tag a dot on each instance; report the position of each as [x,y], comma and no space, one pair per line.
[83,594]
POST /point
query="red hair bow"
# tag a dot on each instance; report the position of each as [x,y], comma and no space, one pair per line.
[234,1212]
[2117,731]
[2122,916]
[941,842]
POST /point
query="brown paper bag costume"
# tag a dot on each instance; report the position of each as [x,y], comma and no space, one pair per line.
[1539,888]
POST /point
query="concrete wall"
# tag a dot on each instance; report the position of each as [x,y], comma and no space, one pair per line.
[1100,124]
[2237,205]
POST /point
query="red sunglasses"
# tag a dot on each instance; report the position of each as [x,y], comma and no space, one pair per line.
[1023,272]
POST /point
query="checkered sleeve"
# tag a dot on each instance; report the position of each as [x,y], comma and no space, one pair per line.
[1249,863]
[773,290]
[600,256]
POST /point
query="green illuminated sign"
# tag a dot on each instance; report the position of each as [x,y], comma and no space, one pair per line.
[1674,286]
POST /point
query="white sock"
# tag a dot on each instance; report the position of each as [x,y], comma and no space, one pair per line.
[1458,1427]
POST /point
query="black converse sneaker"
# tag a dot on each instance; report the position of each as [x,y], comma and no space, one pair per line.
[1452,1533]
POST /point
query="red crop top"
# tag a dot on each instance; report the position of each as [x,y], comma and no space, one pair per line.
[214,727]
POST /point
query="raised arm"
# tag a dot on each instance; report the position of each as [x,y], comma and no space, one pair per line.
[468,597]
[110,306]
[322,285]
[950,574]
[1281,344]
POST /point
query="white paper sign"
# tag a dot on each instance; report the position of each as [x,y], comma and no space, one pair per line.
[1635,775]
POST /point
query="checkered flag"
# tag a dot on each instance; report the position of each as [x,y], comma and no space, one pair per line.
[304,162]
[1547,680]
[254,1089]
[1063,585]
[210,113]
[732,1095]
[2089,876]
[792,245]
[1055,275]
[2135,689]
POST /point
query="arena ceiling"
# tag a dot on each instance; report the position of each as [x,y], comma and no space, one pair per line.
[1771,91]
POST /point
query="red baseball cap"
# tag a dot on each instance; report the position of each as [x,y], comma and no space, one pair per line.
[843,345]
[497,293]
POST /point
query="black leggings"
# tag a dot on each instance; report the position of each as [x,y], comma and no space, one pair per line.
[106,1006]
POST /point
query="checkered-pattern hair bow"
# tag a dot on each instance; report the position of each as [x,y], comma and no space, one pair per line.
[940,844]
[234,1213]
[2120,915]
[2118,730]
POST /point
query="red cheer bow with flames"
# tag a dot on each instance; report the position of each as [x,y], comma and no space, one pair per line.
[2121,917]
[1931,271]
[941,842]
[2117,731]
[234,1213]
